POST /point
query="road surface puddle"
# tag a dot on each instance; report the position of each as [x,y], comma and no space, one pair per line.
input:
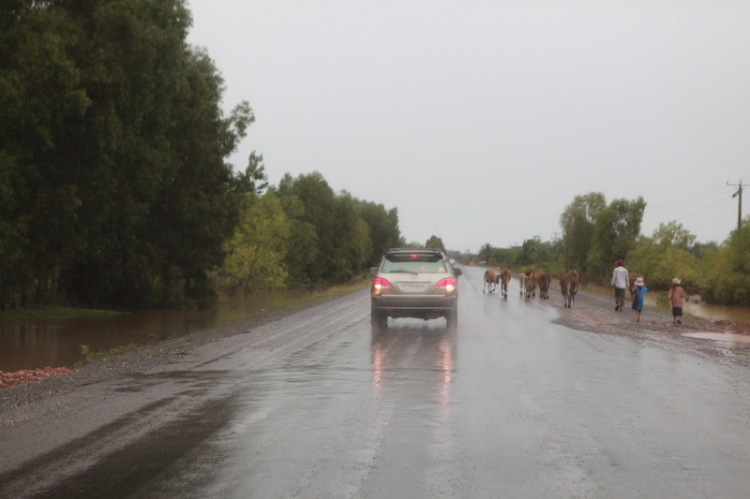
[726,339]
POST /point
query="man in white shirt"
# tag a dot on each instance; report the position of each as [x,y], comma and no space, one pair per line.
[620,281]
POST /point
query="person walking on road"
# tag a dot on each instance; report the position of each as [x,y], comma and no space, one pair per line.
[620,281]
[640,293]
[676,296]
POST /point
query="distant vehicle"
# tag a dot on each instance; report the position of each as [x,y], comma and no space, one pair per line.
[420,283]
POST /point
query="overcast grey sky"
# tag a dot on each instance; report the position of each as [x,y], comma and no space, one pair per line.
[482,120]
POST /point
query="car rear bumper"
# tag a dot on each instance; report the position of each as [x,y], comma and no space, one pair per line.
[416,306]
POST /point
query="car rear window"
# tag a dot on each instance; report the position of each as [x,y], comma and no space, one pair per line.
[414,262]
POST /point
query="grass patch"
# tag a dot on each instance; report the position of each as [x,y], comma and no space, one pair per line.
[319,295]
[334,291]
[90,355]
[307,296]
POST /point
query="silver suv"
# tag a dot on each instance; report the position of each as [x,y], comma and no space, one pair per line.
[420,283]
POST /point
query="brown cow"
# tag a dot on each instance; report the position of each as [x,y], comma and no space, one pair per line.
[569,287]
[490,281]
[543,282]
[530,283]
[522,282]
[574,279]
[504,280]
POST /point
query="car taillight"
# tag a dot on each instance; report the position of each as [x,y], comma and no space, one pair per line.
[449,284]
[380,285]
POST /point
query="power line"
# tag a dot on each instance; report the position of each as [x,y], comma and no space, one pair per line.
[711,193]
[702,210]
[693,199]
[739,208]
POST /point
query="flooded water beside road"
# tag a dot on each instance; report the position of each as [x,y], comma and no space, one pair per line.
[718,312]
[57,342]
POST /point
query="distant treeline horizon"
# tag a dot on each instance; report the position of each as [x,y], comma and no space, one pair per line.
[595,234]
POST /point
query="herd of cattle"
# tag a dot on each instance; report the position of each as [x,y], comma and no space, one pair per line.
[530,281]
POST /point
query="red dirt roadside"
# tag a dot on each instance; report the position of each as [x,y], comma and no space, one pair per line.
[29,375]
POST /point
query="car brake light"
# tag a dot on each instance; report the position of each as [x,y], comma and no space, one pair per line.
[449,284]
[380,285]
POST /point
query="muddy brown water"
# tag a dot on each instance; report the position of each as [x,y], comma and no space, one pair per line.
[57,342]
[718,312]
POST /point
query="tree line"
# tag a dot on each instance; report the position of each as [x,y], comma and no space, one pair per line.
[302,232]
[596,233]
[115,189]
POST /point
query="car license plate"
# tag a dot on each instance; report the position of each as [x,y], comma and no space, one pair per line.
[414,287]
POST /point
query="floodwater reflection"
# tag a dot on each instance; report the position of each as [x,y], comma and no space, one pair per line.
[57,342]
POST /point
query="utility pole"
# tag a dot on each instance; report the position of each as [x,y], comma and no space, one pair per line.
[739,208]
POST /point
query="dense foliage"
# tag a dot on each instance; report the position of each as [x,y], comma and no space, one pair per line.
[112,146]
[114,185]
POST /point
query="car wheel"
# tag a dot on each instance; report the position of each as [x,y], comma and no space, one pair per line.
[452,318]
[378,319]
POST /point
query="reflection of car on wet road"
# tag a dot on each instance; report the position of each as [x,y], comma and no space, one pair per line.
[419,283]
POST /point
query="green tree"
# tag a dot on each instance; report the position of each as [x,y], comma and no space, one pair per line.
[40,92]
[507,257]
[533,253]
[435,242]
[727,278]
[302,247]
[383,228]
[342,240]
[616,230]
[315,211]
[673,234]
[197,206]
[254,178]
[352,239]
[257,250]
[577,222]
[485,253]
[112,153]
[664,256]
[411,244]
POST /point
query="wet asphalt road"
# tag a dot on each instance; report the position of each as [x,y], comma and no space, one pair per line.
[511,404]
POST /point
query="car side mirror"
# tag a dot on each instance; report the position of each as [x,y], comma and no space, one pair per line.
[373,271]
[458,271]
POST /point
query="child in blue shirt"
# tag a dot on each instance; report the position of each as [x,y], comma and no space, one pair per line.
[640,292]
